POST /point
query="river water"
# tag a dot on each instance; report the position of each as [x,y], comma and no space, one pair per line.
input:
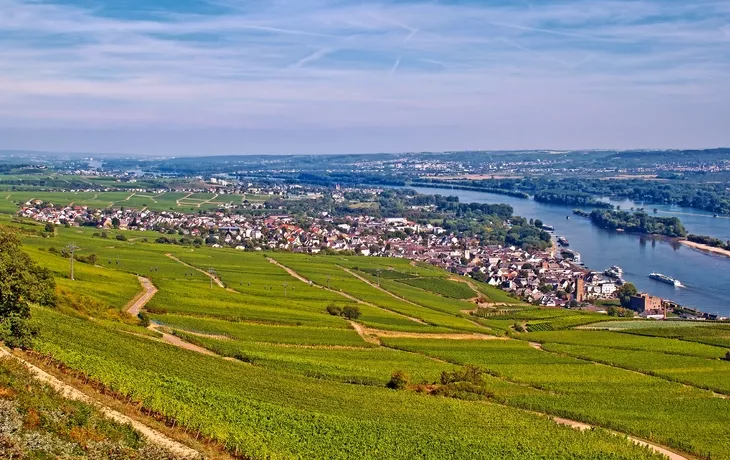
[705,277]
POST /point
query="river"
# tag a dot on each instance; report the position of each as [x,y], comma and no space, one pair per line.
[705,277]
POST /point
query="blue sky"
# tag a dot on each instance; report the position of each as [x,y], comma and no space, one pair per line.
[181,77]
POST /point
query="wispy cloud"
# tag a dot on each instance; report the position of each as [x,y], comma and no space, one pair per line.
[319,64]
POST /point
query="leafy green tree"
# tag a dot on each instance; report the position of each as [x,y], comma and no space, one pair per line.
[625,292]
[50,228]
[351,312]
[22,282]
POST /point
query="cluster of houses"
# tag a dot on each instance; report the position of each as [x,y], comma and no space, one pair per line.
[541,277]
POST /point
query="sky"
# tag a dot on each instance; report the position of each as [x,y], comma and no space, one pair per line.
[184,77]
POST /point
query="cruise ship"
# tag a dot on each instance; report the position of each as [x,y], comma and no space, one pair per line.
[614,272]
[665,279]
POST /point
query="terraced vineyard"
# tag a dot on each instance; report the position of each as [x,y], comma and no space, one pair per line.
[263,362]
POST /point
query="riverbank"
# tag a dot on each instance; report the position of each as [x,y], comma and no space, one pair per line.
[705,248]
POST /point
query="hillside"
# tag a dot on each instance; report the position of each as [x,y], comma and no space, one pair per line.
[277,355]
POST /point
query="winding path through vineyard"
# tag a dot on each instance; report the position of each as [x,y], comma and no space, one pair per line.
[139,302]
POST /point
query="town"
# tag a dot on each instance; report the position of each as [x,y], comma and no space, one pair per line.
[550,277]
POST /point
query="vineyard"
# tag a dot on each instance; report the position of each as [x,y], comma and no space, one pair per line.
[287,374]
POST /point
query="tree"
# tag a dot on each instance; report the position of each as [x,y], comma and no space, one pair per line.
[624,294]
[22,282]
[121,237]
[620,312]
[351,312]
[538,223]
[50,228]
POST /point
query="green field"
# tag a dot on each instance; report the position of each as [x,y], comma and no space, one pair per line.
[291,380]
[162,201]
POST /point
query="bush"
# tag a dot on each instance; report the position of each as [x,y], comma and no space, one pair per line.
[144,319]
[121,237]
[50,228]
[727,356]
[398,381]
[470,374]
[91,259]
[334,310]
[351,312]
[519,327]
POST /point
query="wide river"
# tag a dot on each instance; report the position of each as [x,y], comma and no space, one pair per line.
[705,277]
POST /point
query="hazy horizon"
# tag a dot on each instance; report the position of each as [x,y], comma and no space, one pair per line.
[221,77]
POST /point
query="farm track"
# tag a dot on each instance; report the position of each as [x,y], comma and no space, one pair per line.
[343,294]
[584,426]
[141,299]
[139,302]
[216,280]
[366,332]
[69,392]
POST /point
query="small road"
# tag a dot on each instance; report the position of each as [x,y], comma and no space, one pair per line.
[134,307]
[367,334]
[69,392]
[584,426]
[139,302]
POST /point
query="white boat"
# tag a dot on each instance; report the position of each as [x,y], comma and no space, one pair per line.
[665,279]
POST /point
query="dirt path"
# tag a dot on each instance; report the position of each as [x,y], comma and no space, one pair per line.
[67,391]
[362,333]
[343,294]
[584,426]
[139,302]
[180,199]
[215,278]
[368,334]
[180,343]
[134,307]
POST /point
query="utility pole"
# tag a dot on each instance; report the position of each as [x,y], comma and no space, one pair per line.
[328,281]
[378,271]
[286,285]
[211,272]
[72,248]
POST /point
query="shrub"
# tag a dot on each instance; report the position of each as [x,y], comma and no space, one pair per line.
[727,356]
[334,310]
[519,327]
[121,237]
[398,381]
[144,319]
